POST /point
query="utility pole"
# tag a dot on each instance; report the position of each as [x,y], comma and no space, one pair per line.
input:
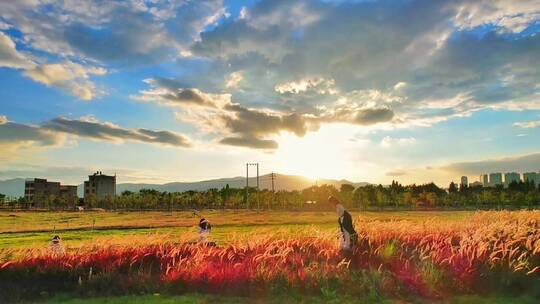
[258,196]
[247,186]
[272,176]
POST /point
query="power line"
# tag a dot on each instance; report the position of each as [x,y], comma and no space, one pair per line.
[272,188]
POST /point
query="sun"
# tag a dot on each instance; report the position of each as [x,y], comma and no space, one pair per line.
[321,154]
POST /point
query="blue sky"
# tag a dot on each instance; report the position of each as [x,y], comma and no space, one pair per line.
[181,90]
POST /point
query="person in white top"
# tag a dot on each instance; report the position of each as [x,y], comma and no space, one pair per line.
[204,230]
[56,247]
[348,237]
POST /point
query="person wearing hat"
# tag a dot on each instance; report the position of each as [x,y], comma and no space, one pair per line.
[204,230]
[348,237]
[56,247]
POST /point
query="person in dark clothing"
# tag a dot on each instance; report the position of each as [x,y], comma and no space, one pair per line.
[348,236]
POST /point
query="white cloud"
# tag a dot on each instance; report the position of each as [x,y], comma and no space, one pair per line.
[400,85]
[67,76]
[234,79]
[316,84]
[243,13]
[389,141]
[10,57]
[513,16]
[527,124]
[70,77]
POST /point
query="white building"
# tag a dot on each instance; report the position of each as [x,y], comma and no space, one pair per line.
[495,179]
[532,176]
[510,177]
[464,181]
[484,180]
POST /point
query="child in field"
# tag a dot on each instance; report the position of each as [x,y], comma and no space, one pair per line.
[56,247]
[204,230]
[348,237]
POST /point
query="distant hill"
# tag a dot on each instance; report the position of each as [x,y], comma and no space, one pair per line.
[281,182]
[12,187]
[15,187]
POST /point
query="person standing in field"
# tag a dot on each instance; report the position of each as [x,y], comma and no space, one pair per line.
[348,237]
[56,247]
[204,230]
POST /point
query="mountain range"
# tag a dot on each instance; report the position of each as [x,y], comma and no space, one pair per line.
[15,187]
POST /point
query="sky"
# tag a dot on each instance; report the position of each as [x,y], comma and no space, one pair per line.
[179,90]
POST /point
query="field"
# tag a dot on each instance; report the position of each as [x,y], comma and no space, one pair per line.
[454,257]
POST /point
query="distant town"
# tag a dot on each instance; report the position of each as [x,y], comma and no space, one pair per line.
[496,179]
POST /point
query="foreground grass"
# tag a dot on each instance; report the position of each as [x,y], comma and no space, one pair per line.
[409,257]
[157,299]
[202,299]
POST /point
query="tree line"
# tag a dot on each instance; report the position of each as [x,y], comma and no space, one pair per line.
[370,197]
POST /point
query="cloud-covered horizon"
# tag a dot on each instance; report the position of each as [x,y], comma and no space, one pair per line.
[520,164]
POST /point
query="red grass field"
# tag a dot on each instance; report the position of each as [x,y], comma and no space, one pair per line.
[490,252]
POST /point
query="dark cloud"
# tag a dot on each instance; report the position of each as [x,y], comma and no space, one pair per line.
[15,133]
[172,93]
[238,38]
[107,131]
[373,116]
[358,116]
[396,173]
[249,142]
[251,126]
[524,163]
[165,137]
[257,122]
[127,39]
[187,96]
[51,133]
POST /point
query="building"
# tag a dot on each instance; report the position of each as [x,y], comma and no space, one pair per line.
[532,177]
[495,179]
[68,191]
[511,177]
[484,180]
[40,187]
[464,181]
[99,186]
[476,184]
